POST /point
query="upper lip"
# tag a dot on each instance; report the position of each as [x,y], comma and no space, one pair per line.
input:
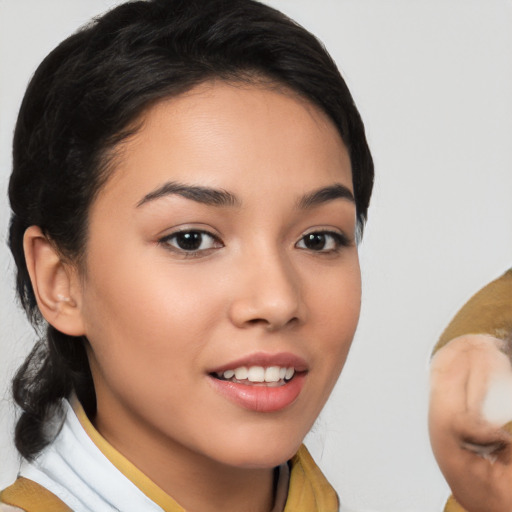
[282,359]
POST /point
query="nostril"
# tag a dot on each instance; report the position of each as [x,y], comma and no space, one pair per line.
[271,325]
[255,321]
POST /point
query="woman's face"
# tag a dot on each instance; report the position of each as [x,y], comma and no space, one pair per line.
[223,243]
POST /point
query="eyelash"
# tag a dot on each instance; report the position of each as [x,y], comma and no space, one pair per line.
[191,253]
[333,238]
[338,240]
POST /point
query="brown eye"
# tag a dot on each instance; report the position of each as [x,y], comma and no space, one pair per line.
[315,241]
[322,241]
[191,241]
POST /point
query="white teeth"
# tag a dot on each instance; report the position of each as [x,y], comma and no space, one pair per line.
[272,374]
[259,374]
[228,374]
[256,374]
[241,373]
[289,373]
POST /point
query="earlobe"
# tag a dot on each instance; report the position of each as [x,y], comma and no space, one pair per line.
[54,283]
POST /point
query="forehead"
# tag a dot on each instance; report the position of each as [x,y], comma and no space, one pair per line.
[230,135]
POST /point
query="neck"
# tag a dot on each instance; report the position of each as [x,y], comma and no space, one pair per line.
[195,481]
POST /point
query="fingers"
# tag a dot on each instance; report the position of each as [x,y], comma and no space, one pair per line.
[470,394]
[470,401]
[475,459]
[488,451]
[472,374]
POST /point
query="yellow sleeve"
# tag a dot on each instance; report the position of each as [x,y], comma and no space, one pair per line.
[489,311]
[31,497]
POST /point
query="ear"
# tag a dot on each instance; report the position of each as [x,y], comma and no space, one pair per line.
[55,283]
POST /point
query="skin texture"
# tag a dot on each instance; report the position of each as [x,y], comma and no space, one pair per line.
[159,319]
[470,376]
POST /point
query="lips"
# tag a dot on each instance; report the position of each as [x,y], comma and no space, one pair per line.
[261,382]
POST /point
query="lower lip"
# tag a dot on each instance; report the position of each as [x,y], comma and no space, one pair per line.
[261,398]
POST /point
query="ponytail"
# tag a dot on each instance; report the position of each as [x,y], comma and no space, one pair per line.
[56,367]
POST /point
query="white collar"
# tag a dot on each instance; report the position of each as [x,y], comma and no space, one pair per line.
[74,469]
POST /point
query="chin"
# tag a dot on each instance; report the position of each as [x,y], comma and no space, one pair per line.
[257,459]
[260,452]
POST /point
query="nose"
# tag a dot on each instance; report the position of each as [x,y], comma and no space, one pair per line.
[268,293]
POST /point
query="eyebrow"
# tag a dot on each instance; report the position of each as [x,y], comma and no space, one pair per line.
[222,198]
[324,195]
[205,195]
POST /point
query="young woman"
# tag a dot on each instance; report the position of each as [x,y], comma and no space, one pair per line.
[190,181]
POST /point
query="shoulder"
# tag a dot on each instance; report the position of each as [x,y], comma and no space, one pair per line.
[309,490]
[453,506]
[28,496]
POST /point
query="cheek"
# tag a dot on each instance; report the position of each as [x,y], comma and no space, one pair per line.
[140,292]
[335,309]
[144,316]
[336,304]
[145,312]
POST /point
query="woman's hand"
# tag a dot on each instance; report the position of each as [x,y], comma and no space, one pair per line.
[470,402]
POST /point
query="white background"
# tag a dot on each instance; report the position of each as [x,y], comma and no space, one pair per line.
[433,82]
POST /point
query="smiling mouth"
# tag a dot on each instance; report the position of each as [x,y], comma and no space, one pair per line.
[271,376]
[261,382]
